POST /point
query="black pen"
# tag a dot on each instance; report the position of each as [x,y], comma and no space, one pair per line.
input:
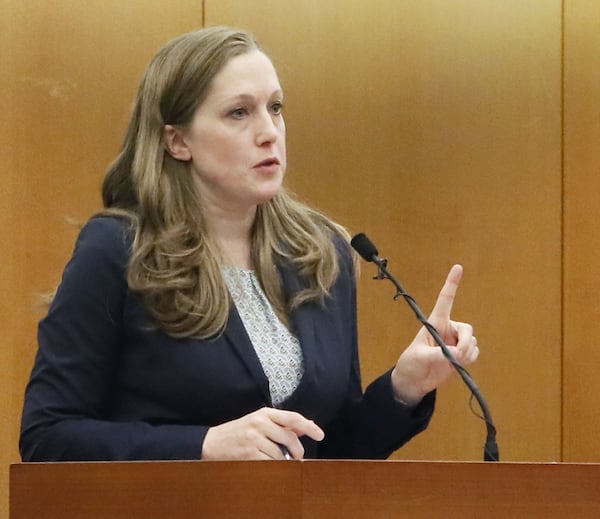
[286,453]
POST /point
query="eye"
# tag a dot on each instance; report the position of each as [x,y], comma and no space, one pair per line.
[238,113]
[276,108]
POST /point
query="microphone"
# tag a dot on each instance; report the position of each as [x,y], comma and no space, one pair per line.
[368,251]
[365,247]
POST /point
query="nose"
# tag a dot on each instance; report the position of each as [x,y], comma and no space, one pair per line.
[267,129]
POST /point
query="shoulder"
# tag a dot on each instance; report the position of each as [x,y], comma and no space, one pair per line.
[345,253]
[105,238]
[97,265]
[101,232]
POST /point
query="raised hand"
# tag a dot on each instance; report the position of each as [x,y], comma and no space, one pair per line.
[263,434]
[422,367]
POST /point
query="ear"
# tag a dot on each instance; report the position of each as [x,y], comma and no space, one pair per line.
[175,143]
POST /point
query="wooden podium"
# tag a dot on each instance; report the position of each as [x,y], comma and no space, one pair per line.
[303,489]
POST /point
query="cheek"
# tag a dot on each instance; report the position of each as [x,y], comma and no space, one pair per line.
[282,143]
[216,149]
[283,155]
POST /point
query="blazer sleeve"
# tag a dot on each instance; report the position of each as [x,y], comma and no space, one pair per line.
[68,397]
[371,424]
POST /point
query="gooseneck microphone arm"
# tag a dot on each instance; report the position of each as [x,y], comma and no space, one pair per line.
[369,252]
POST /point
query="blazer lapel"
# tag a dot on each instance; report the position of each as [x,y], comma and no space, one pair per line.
[235,334]
[304,322]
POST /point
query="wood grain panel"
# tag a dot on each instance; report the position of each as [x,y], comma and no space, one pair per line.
[308,489]
[69,74]
[582,237]
[157,490]
[452,490]
[435,127]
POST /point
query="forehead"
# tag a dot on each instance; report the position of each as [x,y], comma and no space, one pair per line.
[250,73]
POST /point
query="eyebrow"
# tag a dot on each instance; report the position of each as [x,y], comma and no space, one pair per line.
[250,97]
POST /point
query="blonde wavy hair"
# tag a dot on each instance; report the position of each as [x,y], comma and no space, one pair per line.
[175,265]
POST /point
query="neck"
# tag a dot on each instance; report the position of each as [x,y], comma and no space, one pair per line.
[232,232]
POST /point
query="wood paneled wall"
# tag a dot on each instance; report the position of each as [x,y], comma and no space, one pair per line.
[435,127]
[69,74]
[448,131]
[581,387]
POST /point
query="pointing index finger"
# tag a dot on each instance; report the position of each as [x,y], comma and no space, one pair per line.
[443,306]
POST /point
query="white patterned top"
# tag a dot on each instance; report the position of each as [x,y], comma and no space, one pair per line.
[277,348]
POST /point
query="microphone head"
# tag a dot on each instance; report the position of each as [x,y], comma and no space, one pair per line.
[364,246]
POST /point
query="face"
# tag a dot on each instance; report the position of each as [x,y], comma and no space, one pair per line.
[236,140]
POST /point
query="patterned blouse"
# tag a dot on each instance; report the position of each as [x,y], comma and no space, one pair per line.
[277,348]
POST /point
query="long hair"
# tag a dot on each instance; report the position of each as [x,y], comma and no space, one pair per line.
[175,265]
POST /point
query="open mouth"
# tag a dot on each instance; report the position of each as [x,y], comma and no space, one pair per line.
[272,161]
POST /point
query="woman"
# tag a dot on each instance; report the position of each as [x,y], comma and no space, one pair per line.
[206,313]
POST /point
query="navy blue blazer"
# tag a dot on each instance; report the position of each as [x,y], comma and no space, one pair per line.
[107,386]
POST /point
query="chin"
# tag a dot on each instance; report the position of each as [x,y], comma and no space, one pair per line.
[264,197]
[268,193]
